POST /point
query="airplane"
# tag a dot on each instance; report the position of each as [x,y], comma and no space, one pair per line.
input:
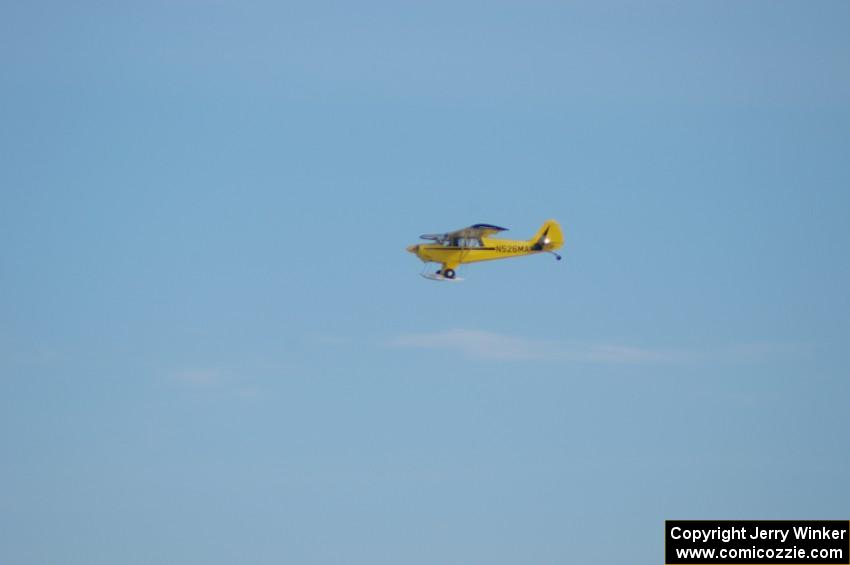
[474,243]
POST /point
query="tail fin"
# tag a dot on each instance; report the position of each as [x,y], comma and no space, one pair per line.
[549,237]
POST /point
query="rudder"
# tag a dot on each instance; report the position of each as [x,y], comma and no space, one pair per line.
[549,236]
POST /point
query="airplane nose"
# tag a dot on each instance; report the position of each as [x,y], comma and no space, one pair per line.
[413,248]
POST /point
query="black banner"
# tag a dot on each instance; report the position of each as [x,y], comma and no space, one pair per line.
[812,542]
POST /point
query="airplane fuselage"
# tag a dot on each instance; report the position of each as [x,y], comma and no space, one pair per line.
[489,250]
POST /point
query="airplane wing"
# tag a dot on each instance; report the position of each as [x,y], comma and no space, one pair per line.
[474,231]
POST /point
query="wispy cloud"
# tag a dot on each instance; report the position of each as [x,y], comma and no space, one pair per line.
[480,344]
[474,343]
[214,380]
[198,377]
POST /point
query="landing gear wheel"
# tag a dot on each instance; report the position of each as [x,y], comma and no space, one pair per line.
[449,273]
[438,272]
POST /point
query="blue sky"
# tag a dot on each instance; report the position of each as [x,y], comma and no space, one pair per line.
[214,348]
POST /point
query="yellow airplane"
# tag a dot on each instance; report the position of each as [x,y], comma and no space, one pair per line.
[473,244]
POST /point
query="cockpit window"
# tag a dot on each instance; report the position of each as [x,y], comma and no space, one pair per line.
[468,242]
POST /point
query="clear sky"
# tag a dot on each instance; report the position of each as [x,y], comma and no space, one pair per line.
[214,348]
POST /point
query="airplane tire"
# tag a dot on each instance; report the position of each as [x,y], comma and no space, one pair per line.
[449,273]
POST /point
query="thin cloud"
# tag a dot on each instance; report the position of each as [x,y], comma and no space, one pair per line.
[479,344]
[198,377]
[474,343]
[208,380]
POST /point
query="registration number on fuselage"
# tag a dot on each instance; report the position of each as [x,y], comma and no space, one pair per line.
[512,248]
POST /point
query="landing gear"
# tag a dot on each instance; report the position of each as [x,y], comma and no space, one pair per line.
[445,275]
